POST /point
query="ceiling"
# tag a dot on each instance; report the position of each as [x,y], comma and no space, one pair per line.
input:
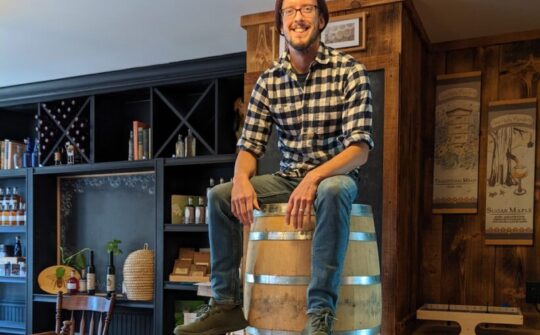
[44,40]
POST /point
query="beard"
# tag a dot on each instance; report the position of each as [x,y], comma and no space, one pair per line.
[303,46]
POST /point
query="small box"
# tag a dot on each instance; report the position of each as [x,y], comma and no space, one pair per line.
[182,267]
[201,258]
[199,270]
[186,254]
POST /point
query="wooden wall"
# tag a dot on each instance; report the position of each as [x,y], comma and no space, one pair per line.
[411,149]
[456,266]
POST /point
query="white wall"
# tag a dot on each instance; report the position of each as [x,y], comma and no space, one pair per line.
[50,39]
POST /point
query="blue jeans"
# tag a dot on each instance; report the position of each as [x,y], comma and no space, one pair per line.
[333,202]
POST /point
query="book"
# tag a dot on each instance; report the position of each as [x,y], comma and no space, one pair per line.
[145,143]
[137,150]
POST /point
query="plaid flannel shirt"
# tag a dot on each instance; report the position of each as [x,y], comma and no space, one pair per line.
[315,122]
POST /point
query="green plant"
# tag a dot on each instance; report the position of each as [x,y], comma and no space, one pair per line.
[76,260]
[113,246]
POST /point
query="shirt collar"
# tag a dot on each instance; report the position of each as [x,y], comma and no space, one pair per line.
[323,57]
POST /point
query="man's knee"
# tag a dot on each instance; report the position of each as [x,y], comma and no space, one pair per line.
[337,187]
[219,194]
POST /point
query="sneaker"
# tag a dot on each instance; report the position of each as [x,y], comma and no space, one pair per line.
[214,319]
[320,322]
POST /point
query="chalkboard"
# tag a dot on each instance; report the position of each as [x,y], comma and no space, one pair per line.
[95,209]
[370,179]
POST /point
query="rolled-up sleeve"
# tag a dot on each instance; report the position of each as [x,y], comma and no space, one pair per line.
[258,123]
[358,110]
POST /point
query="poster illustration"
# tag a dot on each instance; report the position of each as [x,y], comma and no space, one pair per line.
[457,123]
[510,172]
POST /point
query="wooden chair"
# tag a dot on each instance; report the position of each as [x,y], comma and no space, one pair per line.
[90,311]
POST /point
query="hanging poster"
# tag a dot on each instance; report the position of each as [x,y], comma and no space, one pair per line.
[457,122]
[510,172]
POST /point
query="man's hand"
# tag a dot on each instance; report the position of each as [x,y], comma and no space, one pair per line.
[243,200]
[301,202]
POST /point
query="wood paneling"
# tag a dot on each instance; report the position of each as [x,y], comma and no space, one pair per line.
[470,271]
[410,172]
[262,43]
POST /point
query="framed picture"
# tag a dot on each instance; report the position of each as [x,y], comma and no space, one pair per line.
[346,32]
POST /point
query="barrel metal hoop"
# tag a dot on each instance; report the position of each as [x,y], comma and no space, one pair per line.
[281,235]
[304,236]
[367,331]
[304,280]
[361,280]
[281,209]
[362,236]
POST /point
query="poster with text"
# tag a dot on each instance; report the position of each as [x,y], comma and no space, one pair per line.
[457,124]
[510,172]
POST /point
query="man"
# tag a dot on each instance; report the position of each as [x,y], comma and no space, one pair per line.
[320,102]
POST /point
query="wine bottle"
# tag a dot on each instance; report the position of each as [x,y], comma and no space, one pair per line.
[200,211]
[130,146]
[179,148]
[83,287]
[18,247]
[111,278]
[189,212]
[72,284]
[91,276]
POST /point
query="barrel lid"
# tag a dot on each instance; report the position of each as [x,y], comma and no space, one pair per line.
[281,209]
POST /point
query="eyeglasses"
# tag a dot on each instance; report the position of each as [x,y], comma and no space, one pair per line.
[304,10]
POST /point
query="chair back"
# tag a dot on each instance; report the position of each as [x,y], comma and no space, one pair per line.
[89,315]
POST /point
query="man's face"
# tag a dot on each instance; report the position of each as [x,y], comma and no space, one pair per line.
[301,28]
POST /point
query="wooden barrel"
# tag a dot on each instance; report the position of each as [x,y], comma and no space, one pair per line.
[278,270]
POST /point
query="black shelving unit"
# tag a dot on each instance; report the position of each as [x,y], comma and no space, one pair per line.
[120,301]
[171,98]
[13,288]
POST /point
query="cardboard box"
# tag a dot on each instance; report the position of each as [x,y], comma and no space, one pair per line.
[186,254]
[201,258]
[199,270]
[182,267]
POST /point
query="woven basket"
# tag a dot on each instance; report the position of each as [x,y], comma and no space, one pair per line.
[139,274]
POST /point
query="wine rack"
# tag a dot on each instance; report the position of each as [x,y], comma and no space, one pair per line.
[62,123]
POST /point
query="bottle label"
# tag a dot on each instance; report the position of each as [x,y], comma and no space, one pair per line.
[111,283]
[91,281]
[71,286]
[82,285]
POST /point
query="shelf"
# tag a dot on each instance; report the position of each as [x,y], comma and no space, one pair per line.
[124,165]
[13,229]
[177,286]
[120,166]
[10,327]
[12,173]
[185,228]
[209,159]
[14,280]
[120,302]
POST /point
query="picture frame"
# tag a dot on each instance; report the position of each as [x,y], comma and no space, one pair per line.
[346,32]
